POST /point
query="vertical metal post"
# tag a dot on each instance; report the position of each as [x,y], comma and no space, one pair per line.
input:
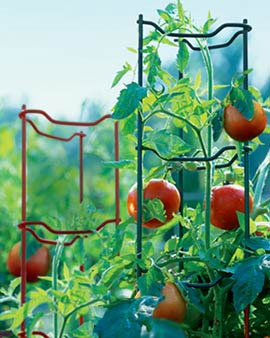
[81,167]
[180,183]
[180,186]
[81,319]
[117,189]
[246,167]
[23,233]
[139,150]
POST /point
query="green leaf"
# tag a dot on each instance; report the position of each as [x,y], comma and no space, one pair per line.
[198,80]
[153,62]
[182,56]
[66,273]
[129,100]
[13,285]
[249,280]
[153,209]
[126,318]
[126,68]
[122,164]
[132,50]
[9,314]
[241,220]
[165,16]
[191,295]
[258,243]
[180,12]
[128,125]
[255,93]
[164,329]
[208,24]
[151,283]
[165,143]
[261,175]
[217,125]
[242,100]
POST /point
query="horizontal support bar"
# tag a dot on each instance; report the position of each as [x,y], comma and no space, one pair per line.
[64,139]
[66,232]
[222,165]
[198,35]
[66,123]
[192,159]
[222,45]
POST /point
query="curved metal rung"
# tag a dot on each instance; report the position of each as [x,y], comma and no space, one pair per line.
[50,242]
[204,285]
[221,165]
[64,139]
[222,45]
[192,159]
[198,35]
[67,232]
[66,123]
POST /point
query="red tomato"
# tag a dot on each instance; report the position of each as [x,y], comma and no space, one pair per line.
[173,307]
[225,201]
[36,265]
[241,129]
[156,188]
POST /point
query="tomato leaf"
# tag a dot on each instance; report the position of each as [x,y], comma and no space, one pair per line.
[165,143]
[217,125]
[241,99]
[210,21]
[126,68]
[153,62]
[249,280]
[149,282]
[191,296]
[153,209]
[258,243]
[261,176]
[182,56]
[129,100]
[126,317]
[165,16]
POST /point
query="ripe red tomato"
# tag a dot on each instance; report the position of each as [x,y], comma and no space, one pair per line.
[225,201]
[241,129]
[173,307]
[36,265]
[156,188]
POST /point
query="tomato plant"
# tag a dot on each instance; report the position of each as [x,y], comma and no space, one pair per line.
[37,265]
[159,189]
[200,278]
[225,202]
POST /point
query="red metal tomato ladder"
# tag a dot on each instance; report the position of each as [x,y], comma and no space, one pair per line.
[25,224]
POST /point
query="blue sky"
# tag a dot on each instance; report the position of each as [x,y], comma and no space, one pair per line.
[57,53]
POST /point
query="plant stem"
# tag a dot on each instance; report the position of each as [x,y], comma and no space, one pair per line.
[180,259]
[55,266]
[66,318]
